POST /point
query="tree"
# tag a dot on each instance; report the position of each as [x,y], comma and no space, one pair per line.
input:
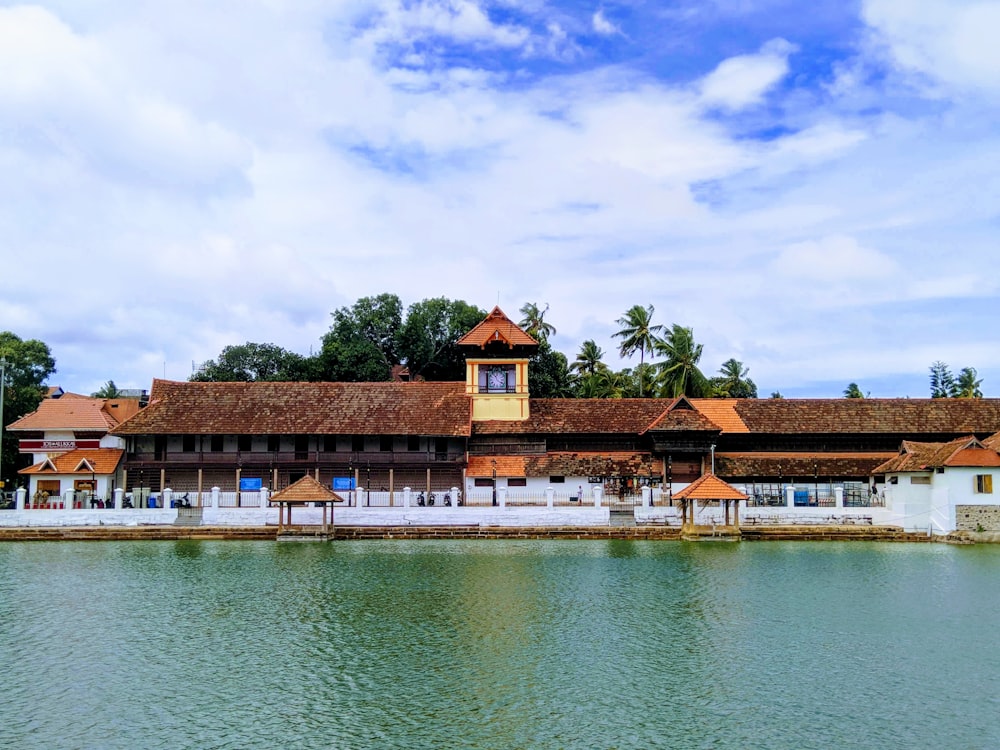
[853,391]
[29,364]
[679,373]
[253,362]
[638,333]
[776,394]
[361,345]
[733,381]
[534,323]
[426,341]
[968,385]
[108,390]
[942,381]
[588,360]
[548,373]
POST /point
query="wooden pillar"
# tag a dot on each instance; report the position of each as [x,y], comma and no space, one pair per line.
[357,475]
[324,517]
[317,473]
[726,513]
[239,500]
[201,476]
[124,480]
[428,481]
[736,513]
[390,487]
[274,481]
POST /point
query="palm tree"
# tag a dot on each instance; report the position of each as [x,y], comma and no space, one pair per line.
[967,385]
[588,361]
[638,334]
[679,373]
[733,381]
[853,391]
[534,323]
[108,390]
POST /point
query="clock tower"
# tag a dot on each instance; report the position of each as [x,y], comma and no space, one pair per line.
[496,368]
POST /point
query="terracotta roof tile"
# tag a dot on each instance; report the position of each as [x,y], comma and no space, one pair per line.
[305,490]
[721,411]
[425,408]
[681,416]
[506,466]
[75,412]
[802,465]
[709,487]
[81,461]
[497,327]
[597,415]
[919,456]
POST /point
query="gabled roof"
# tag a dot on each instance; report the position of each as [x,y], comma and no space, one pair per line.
[566,464]
[915,457]
[425,408]
[709,487]
[721,411]
[497,328]
[305,490]
[75,412]
[99,461]
[600,415]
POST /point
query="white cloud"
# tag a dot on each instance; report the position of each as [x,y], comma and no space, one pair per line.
[951,41]
[833,258]
[740,81]
[602,25]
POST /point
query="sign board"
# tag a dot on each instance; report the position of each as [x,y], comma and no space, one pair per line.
[42,446]
[251,484]
[343,483]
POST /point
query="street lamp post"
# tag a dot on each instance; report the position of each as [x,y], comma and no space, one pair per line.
[493,462]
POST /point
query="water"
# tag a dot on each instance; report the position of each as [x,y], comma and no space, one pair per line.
[498,644]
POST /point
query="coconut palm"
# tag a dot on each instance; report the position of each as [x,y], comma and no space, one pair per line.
[967,385]
[733,381]
[588,360]
[679,373]
[853,391]
[638,334]
[534,323]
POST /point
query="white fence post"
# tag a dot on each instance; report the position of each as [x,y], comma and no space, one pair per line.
[215,497]
[119,497]
[647,496]
[550,495]
[68,499]
[838,496]
[20,496]
[264,495]
[597,497]
[502,496]
[167,497]
[454,497]
[790,496]
[406,497]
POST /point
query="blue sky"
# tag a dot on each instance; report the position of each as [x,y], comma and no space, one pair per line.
[813,188]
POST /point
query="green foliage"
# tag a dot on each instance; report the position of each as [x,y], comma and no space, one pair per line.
[853,391]
[968,384]
[108,390]
[426,341]
[252,362]
[361,345]
[733,381]
[534,323]
[637,333]
[29,364]
[679,373]
[945,385]
[548,373]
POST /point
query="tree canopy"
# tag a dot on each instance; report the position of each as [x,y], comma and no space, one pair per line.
[637,333]
[28,365]
[252,362]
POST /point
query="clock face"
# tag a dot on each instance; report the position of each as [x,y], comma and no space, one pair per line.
[496,379]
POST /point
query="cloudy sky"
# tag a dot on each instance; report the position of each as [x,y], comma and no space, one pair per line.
[813,187]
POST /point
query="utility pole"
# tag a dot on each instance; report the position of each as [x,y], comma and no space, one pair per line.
[3,379]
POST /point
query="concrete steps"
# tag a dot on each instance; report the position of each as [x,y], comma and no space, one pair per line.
[188,517]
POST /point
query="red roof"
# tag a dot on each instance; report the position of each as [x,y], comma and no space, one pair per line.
[305,490]
[601,415]
[915,456]
[498,328]
[567,464]
[81,461]
[709,487]
[74,412]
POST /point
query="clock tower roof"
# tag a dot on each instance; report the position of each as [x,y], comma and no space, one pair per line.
[497,330]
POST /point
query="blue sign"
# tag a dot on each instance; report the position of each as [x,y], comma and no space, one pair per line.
[343,483]
[251,485]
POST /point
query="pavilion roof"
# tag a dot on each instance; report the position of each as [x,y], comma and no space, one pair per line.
[497,328]
[306,490]
[709,487]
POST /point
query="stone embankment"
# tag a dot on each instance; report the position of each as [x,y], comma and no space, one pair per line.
[630,533]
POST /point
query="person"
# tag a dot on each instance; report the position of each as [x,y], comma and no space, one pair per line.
[579,493]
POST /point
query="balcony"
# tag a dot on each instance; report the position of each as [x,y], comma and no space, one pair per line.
[292,458]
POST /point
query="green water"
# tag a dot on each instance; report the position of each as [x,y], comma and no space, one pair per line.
[499,644]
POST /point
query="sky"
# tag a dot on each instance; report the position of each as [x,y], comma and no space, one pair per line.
[811,187]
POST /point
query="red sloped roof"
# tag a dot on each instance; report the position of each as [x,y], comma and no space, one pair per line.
[599,415]
[709,487]
[69,412]
[424,408]
[965,451]
[100,460]
[305,490]
[497,327]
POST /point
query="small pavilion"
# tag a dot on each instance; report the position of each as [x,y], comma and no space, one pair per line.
[304,491]
[709,488]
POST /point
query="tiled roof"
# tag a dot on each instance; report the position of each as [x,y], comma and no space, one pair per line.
[567,464]
[681,416]
[305,490]
[425,408]
[802,465]
[74,412]
[870,415]
[82,461]
[497,327]
[721,411]
[915,456]
[709,487]
[597,415]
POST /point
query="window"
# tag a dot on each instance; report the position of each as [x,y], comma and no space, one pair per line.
[216,444]
[244,443]
[557,480]
[920,479]
[358,443]
[385,443]
[984,484]
[894,480]
[499,378]
[413,442]
[187,444]
[517,482]
[273,443]
[329,443]
[484,482]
